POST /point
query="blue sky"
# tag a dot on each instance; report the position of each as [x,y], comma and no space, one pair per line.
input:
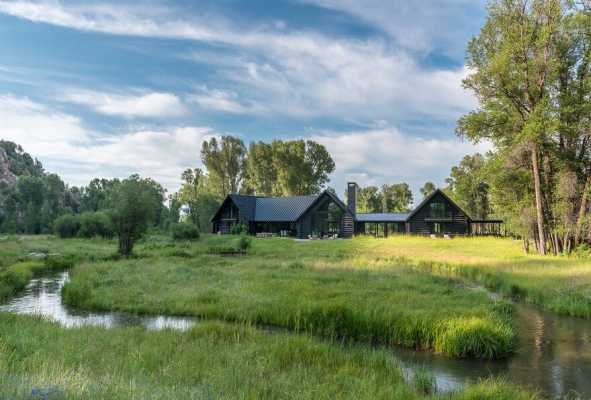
[113,88]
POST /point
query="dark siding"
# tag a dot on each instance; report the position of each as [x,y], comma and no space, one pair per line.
[421,222]
[304,224]
[229,215]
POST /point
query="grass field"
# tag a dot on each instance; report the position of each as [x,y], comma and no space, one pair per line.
[400,290]
[212,361]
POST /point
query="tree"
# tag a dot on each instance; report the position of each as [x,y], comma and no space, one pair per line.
[396,198]
[513,64]
[195,193]
[302,167]
[135,206]
[225,163]
[260,173]
[468,187]
[428,188]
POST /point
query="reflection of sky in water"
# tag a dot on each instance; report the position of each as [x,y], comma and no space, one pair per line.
[553,354]
[42,297]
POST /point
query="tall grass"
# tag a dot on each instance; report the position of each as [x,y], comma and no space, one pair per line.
[395,307]
[211,361]
[14,278]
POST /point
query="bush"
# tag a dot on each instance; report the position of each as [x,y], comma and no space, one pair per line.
[184,232]
[239,229]
[67,226]
[244,242]
[96,224]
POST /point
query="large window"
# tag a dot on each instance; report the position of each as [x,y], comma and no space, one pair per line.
[326,219]
[438,210]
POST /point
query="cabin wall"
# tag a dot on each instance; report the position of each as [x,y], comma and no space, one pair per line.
[421,223]
[228,216]
[305,226]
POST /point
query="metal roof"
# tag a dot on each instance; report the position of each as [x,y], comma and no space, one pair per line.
[382,217]
[282,209]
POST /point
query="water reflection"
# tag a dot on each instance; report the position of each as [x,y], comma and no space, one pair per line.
[42,297]
[553,354]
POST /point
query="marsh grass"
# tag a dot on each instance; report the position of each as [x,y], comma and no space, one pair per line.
[394,307]
[15,277]
[213,360]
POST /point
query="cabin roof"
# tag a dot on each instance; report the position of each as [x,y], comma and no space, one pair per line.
[276,209]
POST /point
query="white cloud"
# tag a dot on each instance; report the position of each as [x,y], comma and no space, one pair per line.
[302,74]
[223,101]
[417,25]
[67,147]
[389,156]
[134,105]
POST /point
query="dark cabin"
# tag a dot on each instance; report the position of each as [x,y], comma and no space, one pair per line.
[325,214]
[299,216]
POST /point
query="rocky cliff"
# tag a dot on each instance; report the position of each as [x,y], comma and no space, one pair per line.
[7,178]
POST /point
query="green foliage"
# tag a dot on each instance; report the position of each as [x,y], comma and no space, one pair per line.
[94,224]
[239,229]
[389,198]
[428,188]
[224,162]
[245,242]
[67,226]
[468,187]
[201,364]
[184,232]
[136,205]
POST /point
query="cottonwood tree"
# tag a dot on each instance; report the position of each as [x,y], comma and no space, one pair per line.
[428,188]
[396,198]
[530,68]
[302,167]
[467,185]
[224,160]
[136,205]
[514,67]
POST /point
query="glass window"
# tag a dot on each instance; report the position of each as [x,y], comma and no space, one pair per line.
[438,210]
[437,227]
[327,219]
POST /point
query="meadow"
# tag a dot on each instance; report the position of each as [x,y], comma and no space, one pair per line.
[308,319]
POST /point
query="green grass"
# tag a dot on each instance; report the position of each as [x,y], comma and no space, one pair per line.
[392,306]
[212,361]
[15,277]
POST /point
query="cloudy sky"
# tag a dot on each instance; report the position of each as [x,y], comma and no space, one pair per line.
[113,88]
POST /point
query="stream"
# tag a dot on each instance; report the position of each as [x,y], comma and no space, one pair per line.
[553,354]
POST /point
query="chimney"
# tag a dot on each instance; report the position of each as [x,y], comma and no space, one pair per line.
[352,197]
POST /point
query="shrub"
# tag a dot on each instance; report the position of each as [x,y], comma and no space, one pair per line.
[239,229]
[244,242]
[67,226]
[583,251]
[184,232]
[96,224]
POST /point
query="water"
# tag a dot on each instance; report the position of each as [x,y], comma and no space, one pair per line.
[553,354]
[42,297]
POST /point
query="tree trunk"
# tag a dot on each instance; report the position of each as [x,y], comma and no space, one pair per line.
[538,192]
[582,211]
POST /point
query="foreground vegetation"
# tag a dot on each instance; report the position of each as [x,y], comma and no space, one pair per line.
[212,360]
[332,289]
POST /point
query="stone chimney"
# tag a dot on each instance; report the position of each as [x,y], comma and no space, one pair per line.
[352,197]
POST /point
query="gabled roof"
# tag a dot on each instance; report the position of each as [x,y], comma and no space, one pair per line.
[429,197]
[382,217]
[276,209]
[279,209]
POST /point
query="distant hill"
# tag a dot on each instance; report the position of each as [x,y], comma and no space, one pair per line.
[15,162]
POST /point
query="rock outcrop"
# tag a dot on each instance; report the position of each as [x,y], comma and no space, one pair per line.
[7,178]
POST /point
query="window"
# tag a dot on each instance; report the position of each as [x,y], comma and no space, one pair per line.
[438,210]
[436,227]
[327,219]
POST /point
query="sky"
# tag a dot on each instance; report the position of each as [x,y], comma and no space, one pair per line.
[107,89]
